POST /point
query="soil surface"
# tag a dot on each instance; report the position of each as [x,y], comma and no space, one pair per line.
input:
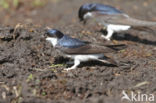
[31,71]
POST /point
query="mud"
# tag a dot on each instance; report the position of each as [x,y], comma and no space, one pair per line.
[31,71]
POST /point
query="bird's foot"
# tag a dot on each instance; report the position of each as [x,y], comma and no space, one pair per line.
[106,37]
[71,68]
[76,63]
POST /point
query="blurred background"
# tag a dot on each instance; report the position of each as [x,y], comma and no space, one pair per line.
[62,12]
[28,71]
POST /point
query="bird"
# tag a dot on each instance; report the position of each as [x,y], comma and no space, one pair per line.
[111,18]
[78,50]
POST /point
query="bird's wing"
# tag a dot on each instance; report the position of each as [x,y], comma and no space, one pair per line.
[121,19]
[86,49]
[70,42]
[145,29]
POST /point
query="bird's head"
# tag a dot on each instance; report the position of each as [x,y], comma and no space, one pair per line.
[85,11]
[88,11]
[52,35]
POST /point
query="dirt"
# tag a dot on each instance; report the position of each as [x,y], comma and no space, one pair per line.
[31,71]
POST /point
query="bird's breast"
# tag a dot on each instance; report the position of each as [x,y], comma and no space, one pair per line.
[86,57]
[118,27]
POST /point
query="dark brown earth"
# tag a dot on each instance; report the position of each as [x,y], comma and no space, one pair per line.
[31,71]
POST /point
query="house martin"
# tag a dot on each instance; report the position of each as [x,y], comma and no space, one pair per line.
[111,18]
[79,50]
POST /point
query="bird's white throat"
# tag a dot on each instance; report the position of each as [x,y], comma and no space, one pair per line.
[88,15]
[52,40]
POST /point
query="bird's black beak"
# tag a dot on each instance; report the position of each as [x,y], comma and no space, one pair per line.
[45,34]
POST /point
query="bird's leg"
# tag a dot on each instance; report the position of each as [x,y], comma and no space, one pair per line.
[76,63]
[109,34]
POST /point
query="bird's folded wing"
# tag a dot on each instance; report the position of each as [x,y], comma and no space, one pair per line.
[86,49]
[121,19]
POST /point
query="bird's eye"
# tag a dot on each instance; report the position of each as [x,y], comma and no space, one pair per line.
[48,34]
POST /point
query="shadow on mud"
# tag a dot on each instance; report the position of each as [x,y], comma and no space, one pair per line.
[70,62]
[130,37]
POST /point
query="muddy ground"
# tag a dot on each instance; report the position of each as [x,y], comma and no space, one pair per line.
[31,71]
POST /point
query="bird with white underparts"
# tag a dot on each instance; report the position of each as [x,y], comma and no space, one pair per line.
[111,18]
[79,50]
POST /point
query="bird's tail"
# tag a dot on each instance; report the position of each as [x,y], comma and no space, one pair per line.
[108,60]
[146,29]
[117,47]
[136,22]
